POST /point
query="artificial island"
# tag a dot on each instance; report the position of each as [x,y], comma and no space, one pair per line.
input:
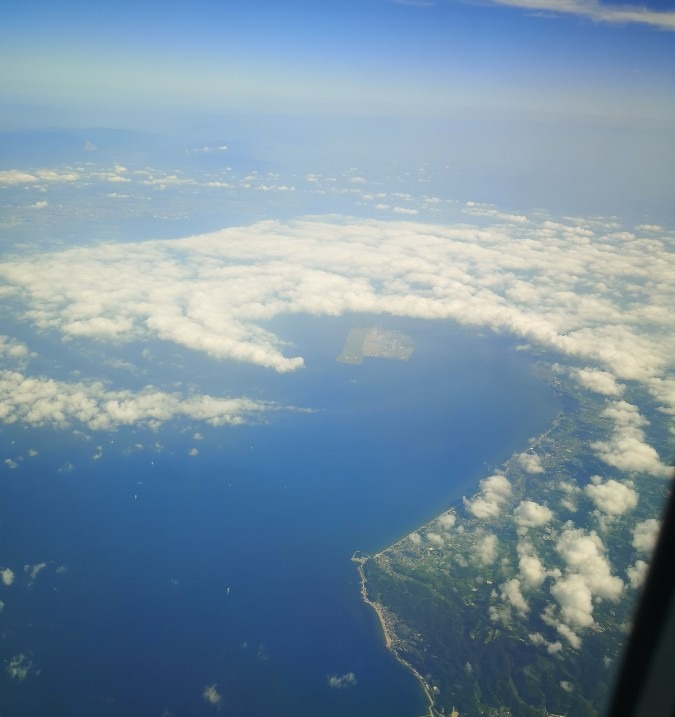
[375,343]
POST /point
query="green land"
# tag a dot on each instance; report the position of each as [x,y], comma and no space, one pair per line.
[475,606]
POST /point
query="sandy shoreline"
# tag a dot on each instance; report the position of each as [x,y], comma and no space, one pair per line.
[389,639]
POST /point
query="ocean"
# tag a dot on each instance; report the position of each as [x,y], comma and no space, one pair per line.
[169,573]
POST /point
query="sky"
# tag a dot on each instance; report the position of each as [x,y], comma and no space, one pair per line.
[405,57]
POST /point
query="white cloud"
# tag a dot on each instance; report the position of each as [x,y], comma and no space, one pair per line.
[339,681]
[599,381]
[637,573]
[446,521]
[41,401]
[415,539]
[435,539]
[532,570]
[651,228]
[584,555]
[487,210]
[645,535]
[552,648]
[612,497]
[530,462]
[599,12]
[32,571]
[495,491]
[211,694]
[7,575]
[13,176]
[529,514]
[404,210]
[510,593]
[627,449]
[575,599]
[485,549]
[18,667]
[10,348]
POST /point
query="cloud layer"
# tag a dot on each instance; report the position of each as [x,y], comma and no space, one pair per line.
[582,289]
[41,401]
[565,287]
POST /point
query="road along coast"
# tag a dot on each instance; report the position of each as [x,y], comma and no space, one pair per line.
[390,638]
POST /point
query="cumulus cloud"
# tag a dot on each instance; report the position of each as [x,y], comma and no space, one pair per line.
[18,667]
[575,599]
[495,491]
[7,575]
[13,176]
[529,514]
[599,381]
[415,539]
[571,490]
[532,570]
[530,462]
[339,681]
[32,571]
[446,521]
[211,694]
[585,554]
[645,535]
[611,497]
[485,549]
[12,349]
[42,401]
[536,638]
[511,594]
[637,573]
[435,539]
[587,578]
[627,449]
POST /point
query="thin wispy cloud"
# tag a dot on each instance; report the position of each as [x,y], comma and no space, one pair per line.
[599,12]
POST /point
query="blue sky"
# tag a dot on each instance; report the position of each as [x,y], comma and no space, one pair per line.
[355,56]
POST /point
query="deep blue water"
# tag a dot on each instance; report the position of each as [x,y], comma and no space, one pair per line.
[141,620]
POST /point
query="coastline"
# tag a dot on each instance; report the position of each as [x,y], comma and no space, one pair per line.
[389,637]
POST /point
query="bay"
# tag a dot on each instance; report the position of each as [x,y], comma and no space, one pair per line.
[168,573]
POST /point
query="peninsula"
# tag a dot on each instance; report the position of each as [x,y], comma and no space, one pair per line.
[514,602]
